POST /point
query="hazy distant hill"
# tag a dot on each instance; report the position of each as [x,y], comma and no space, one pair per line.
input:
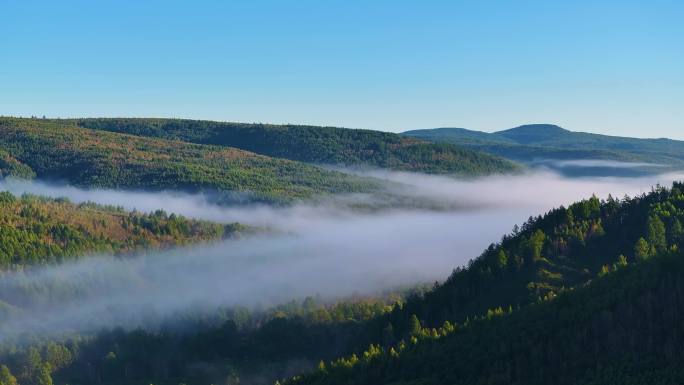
[541,143]
[320,145]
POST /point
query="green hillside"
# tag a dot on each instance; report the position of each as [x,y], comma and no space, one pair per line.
[543,142]
[458,136]
[564,300]
[602,274]
[36,230]
[622,328]
[321,145]
[62,151]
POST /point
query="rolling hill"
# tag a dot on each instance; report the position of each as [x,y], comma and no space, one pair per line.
[37,231]
[544,144]
[318,145]
[63,152]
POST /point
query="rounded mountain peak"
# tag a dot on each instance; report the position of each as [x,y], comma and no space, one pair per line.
[530,133]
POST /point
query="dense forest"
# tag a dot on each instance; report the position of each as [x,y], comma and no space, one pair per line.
[623,328]
[229,346]
[36,230]
[59,150]
[584,294]
[325,145]
[568,297]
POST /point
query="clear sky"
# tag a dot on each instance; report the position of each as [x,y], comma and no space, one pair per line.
[613,67]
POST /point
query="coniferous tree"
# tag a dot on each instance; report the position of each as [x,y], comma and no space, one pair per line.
[6,377]
[414,325]
[501,259]
[44,376]
[642,250]
[656,234]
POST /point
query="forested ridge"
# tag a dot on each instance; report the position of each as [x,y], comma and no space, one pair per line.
[62,151]
[585,294]
[622,328]
[229,346]
[574,292]
[312,144]
[37,231]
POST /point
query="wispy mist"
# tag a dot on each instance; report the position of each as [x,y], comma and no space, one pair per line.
[327,248]
[604,163]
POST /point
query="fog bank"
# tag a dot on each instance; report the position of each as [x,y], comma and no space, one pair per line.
[325,248]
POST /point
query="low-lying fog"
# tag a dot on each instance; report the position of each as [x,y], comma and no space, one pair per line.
[327,248]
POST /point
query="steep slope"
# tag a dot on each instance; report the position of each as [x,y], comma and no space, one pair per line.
[326,145]
[36,230]
[61,151]
[565,248]
[571,321]
[623,328]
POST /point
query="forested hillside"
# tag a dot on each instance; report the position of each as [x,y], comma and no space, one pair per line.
[578,286]
[230,346]
[36,230]
[326,145]
[61,151]
[563,299]
[623,328]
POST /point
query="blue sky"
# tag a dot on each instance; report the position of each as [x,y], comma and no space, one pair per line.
[613,67]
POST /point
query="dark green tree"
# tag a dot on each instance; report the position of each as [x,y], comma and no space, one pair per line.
[414,325]
[44,375]
[6,377]
[642,250]
[656,233]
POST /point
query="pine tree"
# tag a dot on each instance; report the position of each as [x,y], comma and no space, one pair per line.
[656,233]
[642,250]
[501,259]
[6,377]
[621,262]
[414,325]
[43,376]
[388,337]
[676,231]
[536,244]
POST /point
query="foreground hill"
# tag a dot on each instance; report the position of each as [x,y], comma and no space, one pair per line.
[321,145]
[36,230]
[62,151]
[623,328]
[586,294]
[536,143]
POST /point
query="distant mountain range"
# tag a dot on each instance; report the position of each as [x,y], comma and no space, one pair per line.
[281,163]
[547,144]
